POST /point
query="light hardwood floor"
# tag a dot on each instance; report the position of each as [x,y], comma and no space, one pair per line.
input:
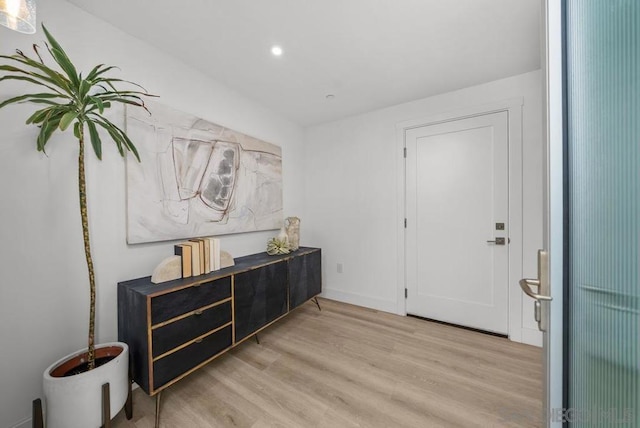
[348,366]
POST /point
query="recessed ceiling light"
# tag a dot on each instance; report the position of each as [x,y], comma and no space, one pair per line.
[276,50]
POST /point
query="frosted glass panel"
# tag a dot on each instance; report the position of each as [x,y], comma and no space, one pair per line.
[603,65]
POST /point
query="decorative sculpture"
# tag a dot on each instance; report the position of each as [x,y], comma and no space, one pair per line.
[168,270]
[292,226]
[226,260]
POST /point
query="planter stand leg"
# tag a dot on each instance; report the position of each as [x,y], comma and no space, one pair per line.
[257,340]
[128,405]
[315,300]
[36,414]
[106,406]
[158,409]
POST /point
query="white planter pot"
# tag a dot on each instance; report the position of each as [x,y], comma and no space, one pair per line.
[76,401]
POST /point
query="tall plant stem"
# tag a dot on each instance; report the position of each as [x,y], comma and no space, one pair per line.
[82,184]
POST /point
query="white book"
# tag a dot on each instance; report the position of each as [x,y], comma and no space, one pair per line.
[212,257]
[208,267]
[216,253]
[195,257]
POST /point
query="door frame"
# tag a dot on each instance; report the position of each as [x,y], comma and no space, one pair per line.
[513,107]
[555,342]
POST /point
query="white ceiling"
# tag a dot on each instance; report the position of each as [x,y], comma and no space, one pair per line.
[368,53]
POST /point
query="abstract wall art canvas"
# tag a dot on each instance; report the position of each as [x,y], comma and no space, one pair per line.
[197,178]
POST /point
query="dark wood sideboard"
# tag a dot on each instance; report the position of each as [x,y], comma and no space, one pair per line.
[176,327]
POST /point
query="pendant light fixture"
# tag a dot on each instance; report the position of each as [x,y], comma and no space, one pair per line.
[19,15]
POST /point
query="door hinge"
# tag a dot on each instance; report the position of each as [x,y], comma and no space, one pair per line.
[405,152]
[405,223]
[406,293]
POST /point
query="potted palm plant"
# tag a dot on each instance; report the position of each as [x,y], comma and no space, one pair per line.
[68,100]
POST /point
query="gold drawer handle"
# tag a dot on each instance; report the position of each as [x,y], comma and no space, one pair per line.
[197,313]
[198,341]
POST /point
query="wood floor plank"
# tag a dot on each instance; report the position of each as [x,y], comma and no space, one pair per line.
[280,400]
[347,366]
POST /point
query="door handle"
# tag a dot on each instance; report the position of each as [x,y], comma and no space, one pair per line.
[526,284]
[497,241]
[543,295]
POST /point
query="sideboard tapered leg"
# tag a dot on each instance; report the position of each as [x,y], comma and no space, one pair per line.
[158,409]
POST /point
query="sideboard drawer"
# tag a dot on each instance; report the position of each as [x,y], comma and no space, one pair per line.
[174,304]
[174,334]
[174,365]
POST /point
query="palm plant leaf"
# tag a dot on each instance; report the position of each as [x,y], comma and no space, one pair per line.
[95,139]
[60,56]
[124,139]
[67,119]
[50,75]
[97,104]
[99,70]
[38,116]
[32,98]
[31,77]
[49,125]
[115,136]
[110,81]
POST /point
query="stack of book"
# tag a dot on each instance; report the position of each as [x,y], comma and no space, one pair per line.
[199,256]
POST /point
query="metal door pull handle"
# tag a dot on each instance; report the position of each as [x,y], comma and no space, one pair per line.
[497,241]
[526,284]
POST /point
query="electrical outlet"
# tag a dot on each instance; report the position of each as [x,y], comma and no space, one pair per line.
[339,267]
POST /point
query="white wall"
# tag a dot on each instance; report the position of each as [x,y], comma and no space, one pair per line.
[43,279]
[352,190]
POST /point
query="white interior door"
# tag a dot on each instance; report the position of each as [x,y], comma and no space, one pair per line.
[457,203]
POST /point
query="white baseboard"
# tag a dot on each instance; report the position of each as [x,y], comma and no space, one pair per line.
[24,424]
[360,300]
